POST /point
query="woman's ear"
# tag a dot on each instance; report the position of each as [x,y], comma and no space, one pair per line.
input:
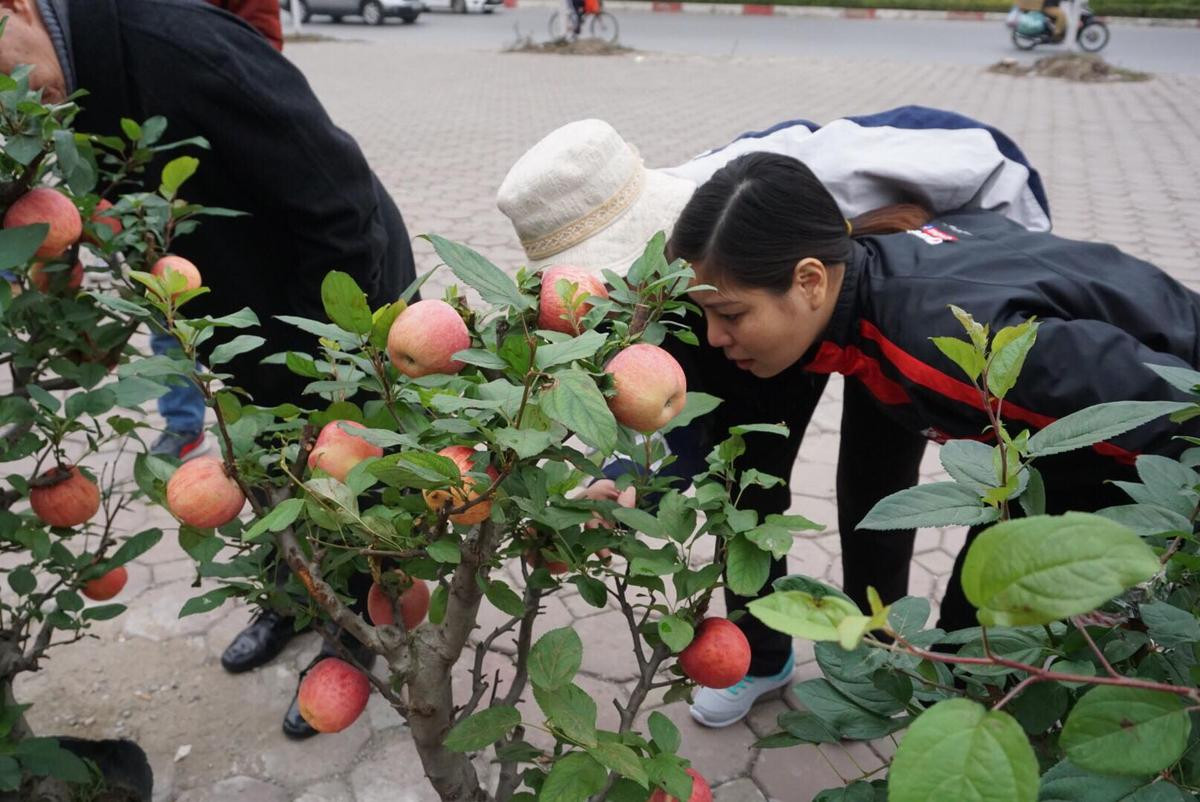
[810,280]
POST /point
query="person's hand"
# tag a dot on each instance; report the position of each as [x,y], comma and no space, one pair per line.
[606,490]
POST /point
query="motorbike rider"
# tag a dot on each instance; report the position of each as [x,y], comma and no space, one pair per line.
[1053,10]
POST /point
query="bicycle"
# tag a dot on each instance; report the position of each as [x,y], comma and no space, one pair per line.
[603,26]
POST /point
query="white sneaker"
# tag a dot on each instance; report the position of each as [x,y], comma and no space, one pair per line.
[720,707]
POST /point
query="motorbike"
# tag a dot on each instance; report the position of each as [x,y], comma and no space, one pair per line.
[1033,28]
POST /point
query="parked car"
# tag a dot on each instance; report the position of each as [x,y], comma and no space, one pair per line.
[463,6]
[373,12]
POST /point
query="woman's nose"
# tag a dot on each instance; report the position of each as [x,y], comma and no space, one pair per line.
[718,337]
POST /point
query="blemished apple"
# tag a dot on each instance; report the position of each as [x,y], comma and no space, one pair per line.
[553,314]
[456,497]
[201,494]
[701,792]
[651,388]
[719,655]
[46,205]
[184,267]
[68,499]
[58,279]
[99,218]
[332,695]
[103,588]
[337,451]
[425,336]
[414,604]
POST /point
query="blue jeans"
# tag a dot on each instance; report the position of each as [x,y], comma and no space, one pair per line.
[183,404]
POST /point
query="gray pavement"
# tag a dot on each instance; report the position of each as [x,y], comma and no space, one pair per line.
[441,126]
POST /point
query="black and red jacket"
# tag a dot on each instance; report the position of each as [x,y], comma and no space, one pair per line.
[1103,315]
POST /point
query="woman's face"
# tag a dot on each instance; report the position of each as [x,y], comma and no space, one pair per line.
[765,332]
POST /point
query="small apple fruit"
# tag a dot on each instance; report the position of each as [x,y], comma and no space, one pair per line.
[456,497]
[103,588]
[719,655]
[46,205]
[651,387]
[332,695]
[59,279]
[425,336]
[201,494]
[534,559]
[414,604]
[555,315]
[701,792]
[337,451]
[99,218]
[184,267]
[67,498]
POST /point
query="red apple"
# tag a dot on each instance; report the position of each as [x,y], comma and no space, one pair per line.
[414,604]
[200,493]
[701,792]
[59,279]
[100,219]
[105,587]
[184,267]
[456,497]
[425,336]
[337,451]
[332,695]
[46,205]
[651,388]
[719,655]
[67,499]
[553,314]
[534,559]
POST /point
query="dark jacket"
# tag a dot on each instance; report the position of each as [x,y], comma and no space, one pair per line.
[1103,315]
[314,205]
[262,15]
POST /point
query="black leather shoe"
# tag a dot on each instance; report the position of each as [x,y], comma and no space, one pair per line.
[258,643]
[294,725]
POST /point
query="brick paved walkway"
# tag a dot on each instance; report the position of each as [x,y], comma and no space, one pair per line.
[1120,165]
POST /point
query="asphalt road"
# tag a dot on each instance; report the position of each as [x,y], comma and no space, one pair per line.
[1152,49]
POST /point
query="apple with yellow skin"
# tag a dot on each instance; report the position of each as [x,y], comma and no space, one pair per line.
[425,336]
[553,313]
[59,279]
[184,267]
[332,695]
[202,494]
[719,655]
[414,604]
[103,588]
[337,451]
[651,388]
[701,792]
[438,500]
[46,205]
[64,497]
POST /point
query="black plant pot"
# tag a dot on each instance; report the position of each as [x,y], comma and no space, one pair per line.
[126,770]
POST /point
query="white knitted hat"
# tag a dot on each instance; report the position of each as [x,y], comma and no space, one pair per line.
[582,197]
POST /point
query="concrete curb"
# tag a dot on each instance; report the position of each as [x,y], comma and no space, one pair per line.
[828,12]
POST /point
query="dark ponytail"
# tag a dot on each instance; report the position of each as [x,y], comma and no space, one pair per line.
[762,213]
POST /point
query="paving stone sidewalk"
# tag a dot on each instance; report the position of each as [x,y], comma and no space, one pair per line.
[1120,164]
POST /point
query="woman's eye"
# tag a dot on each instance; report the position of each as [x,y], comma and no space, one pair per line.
[730,318]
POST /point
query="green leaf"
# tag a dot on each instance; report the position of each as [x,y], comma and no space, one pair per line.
[841,714]
[103,612]
[22,580]
[978,332]
[207,602]
[807,727]
[93,403]
[131,129]
[675,632]
[696,405]
[573,778]
[1046,568]
[935,504]
[10,774]
[44,757]
[571,710]
[494,285]
[382,320]
[527,442]
[345,302]
[1009,348]
[591,590]
[1184,379]
[664,732]
[18,245]
[958,750]
[175,173]
[481,358]
[576,402]
[970,463]
[482,729]
[803,615]
[445,550]
[200,544]
[1097,424]
[437,603]
[504,598]
[861,791]
[1130,731]
[775,539]
[1033,500]
[417,469]
[622,760]
[581,347]
[241,344]
[747,566]
[278,519]
[961,353]
[134,547]
[640,521]
[1169,626]
[1040,706]
[555,658]
[1065,782]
